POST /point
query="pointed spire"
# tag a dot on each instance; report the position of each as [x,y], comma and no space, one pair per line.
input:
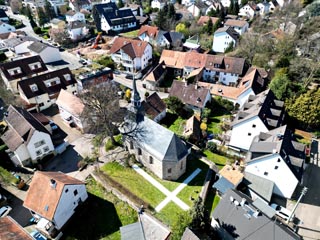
[136,99]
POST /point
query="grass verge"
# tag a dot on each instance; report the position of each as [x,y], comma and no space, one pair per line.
[219,160]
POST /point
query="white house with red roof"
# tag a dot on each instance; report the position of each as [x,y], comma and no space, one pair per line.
[52,199]
[132,54]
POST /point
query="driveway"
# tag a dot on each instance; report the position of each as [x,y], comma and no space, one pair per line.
[308,211]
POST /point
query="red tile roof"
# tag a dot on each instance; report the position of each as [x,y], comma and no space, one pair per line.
[41,197]
[204,19]
[133,47]
[149,30]
[235,23]
[11,230]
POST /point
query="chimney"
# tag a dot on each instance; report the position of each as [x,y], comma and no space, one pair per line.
[196,86]
[186,83]
[243,202]
[53,183]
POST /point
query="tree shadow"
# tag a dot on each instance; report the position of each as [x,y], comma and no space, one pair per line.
[169,119]
[94,219]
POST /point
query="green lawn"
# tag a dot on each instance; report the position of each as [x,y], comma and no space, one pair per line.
[169,214]
[109,146]
[178,126]
[219,160]
[214,123]
[134,182]
[100,217]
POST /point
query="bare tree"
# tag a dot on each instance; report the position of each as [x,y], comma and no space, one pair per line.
[102,112]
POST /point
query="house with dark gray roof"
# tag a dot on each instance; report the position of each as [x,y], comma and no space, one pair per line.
[192,95]
[223,38]
[156,76]
[19,44]
[261,113]
[236,217]
[154,107]
[109,18]
[3,16]
[277,157]
[19,69]
[27,139]
[40,92]
[169,39]
[48,53]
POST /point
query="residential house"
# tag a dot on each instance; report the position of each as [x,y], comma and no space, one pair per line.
[73,16]
[78,5]
[156,77]
[223,38]
[19,44]
[226,70]
[192,129]
[40,92]
[203,20]
[148,227]
[229,178]
[77,30]
[254,82]
[57,23]
[14,71]
[158,4]
[260,113]
[94,77]
[43,120]
[250,10]
[3,16]
[264,8]
[11,230]
[197,8]
[189,235]
[257,187]
[52,199]
[148,33]
[48,53]
[187,2]
[154,107]
[109,18]
[170,39]
[277,157]
[192,95]
[212,5]
[135,8]
[239,26]
[157,148]
[225,3]
[5,27]
[133,55]
[27,139]
[70,109]
[237,215]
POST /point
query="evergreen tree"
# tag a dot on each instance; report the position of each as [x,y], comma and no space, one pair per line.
[49,11]
[305,108]
[200,217]
[212,13]
[42,18]
[236,7]
[231,7]
[208,27]
[120,4]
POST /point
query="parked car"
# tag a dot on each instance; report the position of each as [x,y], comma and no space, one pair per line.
[282,212]
[83,61]
[129,76]
[53,125]
[37,235]
[4,211]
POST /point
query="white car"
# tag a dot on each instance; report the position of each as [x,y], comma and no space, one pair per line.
[4,211]
[282,212]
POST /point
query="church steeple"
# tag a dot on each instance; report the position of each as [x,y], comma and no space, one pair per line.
[136,99]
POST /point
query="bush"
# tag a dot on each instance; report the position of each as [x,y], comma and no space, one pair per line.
[212,147]
[37,30]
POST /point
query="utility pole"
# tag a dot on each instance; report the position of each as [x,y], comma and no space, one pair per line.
[303,192]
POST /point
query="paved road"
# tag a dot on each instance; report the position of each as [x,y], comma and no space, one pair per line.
[70,60]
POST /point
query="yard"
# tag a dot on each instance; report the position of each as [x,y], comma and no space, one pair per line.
[131,34]
[174,123]
[214,124]
[219,160]
[100,217]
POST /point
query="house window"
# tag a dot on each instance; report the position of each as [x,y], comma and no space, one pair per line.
[46,149]
[38,152]
[276,167]
[41,104]
[249,134]
[265,173]
[131,145]
[278,160]
[253,125]
[75,192]
[150,159]
[34,87]
[139,151]
[40,143]
[169,170]
[181,165]
[67,190]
